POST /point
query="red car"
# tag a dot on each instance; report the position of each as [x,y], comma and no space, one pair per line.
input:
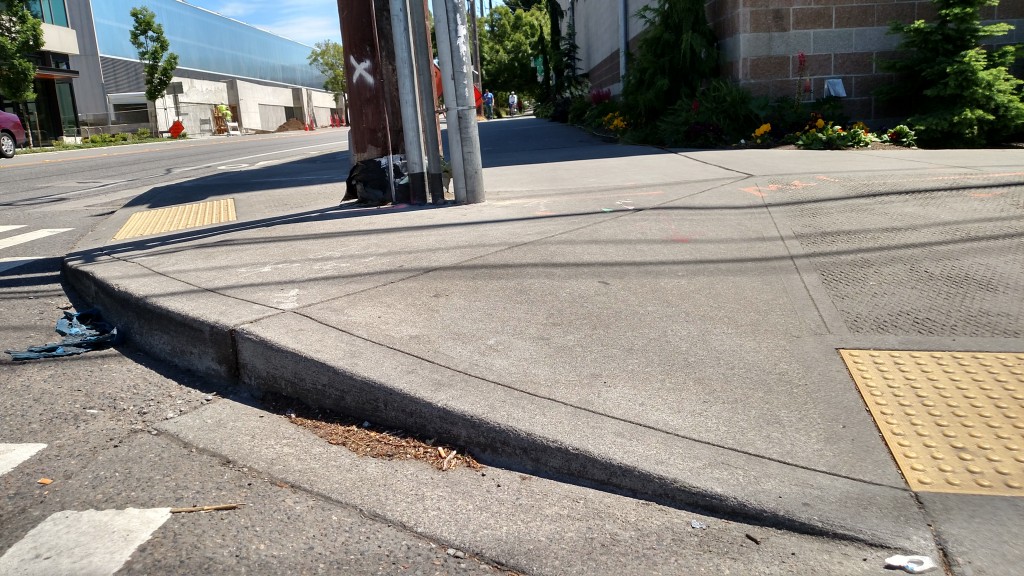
[12,134]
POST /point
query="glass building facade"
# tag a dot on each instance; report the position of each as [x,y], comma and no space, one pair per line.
[49,11]
[208,42]
[52,114]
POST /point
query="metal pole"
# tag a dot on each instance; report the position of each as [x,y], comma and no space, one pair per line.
[386,66]
[465,102]
[444,55]
[409,104]
[424,66]
[623,36]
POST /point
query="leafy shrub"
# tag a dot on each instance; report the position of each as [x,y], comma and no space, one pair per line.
[560,111]
[543,110]
[594,118]
[578,109]
[719,115]
[121,137]
[787,115]
[143,133]
[677,53]
[963,94]
[901,135]
[101,139]
[829,136]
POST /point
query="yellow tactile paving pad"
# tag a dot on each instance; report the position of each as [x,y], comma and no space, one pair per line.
[174,218]
[954,421]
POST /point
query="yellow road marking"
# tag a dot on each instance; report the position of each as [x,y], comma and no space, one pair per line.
[173,218]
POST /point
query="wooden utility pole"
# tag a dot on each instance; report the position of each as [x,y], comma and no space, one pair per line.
[375,134]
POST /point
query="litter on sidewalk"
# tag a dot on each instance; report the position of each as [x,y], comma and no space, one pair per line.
[911,564]
[82,332]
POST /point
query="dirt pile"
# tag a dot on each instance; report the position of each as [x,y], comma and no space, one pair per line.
[290,125]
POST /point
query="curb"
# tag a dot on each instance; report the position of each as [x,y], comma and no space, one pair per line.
[266,349]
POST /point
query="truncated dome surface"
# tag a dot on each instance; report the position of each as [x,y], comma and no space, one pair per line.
[954,421]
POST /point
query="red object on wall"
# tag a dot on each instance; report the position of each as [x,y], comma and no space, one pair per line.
[478,98]
[177,128]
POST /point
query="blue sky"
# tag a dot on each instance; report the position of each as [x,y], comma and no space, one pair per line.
[306,21]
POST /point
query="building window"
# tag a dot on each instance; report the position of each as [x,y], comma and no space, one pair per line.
[60,61]
[49,11]
[131,113]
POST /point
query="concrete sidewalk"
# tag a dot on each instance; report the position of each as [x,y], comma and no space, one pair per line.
[661,323]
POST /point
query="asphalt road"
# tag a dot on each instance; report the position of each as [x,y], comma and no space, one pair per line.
[97,413]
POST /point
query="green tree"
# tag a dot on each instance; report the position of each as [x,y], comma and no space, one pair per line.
[328,57]
[158,61]
[523,4]
[676,56]
[558,64]
[21,35]
[963,94]
[509,44]
[568,54]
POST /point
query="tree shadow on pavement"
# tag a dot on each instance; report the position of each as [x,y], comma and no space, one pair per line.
[528,140]
[324,169]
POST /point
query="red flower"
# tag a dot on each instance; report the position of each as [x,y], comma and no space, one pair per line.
[801,59]
[696,105]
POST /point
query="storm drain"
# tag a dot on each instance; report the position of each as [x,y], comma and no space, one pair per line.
[954,421]
[161,220]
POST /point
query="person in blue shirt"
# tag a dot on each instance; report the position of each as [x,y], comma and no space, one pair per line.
[488,105]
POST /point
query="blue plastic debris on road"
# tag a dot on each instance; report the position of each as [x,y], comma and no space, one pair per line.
[82,332]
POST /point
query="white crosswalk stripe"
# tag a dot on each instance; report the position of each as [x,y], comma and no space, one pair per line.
[30,236]
[93,542]
[8,263]
[13,454]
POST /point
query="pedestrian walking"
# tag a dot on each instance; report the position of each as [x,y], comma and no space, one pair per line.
[488,105]
[513,104]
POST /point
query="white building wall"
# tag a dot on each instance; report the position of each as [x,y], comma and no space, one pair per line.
[195,105]
[59,39]
[323,99]
[598,29]
[198,98]
[250,96]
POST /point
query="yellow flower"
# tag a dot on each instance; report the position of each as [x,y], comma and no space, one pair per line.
[764,129]
[820,123]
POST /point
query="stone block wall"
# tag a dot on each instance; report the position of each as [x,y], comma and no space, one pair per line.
[760,41]
[843,39]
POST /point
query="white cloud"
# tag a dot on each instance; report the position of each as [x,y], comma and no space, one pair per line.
[307,30]
[237,10]
[306,21]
